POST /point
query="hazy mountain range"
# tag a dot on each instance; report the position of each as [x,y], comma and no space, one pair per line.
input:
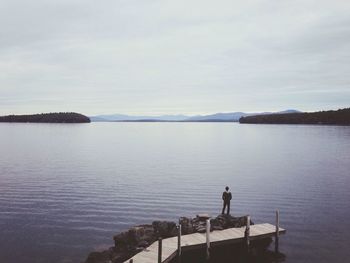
[217,117]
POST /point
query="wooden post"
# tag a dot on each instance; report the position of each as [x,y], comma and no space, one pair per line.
[179,243]
[277,230]
[208,238]
[159,250]
[247,232]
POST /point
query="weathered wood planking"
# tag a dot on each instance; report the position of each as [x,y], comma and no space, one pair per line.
[191,241]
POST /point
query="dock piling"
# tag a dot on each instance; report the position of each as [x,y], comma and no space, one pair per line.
[208,238]
[179,228]
[247,232]
[277,230]
[160,250]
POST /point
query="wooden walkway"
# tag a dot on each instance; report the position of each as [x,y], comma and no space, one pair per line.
[197,240]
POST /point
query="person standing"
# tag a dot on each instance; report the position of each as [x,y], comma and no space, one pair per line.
[226,197]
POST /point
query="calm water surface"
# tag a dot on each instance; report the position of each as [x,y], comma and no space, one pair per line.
[67,189]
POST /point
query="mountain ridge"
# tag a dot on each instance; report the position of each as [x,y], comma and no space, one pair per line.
[216,117]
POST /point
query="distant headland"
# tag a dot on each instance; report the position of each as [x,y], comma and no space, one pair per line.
[332,117]
[59,117]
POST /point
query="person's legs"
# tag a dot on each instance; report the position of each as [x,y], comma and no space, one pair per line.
[223,208]
[228,208]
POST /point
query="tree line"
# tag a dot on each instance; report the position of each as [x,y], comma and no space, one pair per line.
[56,117]
[332,117]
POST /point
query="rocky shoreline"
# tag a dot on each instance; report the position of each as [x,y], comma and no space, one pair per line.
[137,238]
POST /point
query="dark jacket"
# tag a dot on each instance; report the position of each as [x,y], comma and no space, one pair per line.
[226,196]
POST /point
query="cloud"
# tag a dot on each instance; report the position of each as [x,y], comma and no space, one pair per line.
[160,56]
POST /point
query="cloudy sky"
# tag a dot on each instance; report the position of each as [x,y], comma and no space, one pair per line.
[173,56]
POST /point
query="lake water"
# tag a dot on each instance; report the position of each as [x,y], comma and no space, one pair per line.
[65,190]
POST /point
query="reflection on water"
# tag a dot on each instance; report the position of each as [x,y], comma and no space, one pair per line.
[238,253]
[65,189]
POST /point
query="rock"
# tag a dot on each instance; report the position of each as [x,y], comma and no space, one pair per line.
[217,228]
[100,257]
[164,229]
[228,221]
[121,256]
[143,244]
[198,227]
[117,258]
[122,239]
[201,229]
[203,216]
[186,225]
[134,236]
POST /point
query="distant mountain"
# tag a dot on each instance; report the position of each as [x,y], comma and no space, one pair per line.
[121,117]
[288,111]
[231,116]
[338,117]
[217,117]
[59,117]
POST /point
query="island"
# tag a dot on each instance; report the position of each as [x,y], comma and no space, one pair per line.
[332,117]
[57,117]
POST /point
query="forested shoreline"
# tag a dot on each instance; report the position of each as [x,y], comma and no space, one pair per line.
[333,117]
[59,117]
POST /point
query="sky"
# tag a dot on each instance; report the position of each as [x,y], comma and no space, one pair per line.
[173,57]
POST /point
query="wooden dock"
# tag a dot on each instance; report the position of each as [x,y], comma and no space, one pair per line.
[165,250]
